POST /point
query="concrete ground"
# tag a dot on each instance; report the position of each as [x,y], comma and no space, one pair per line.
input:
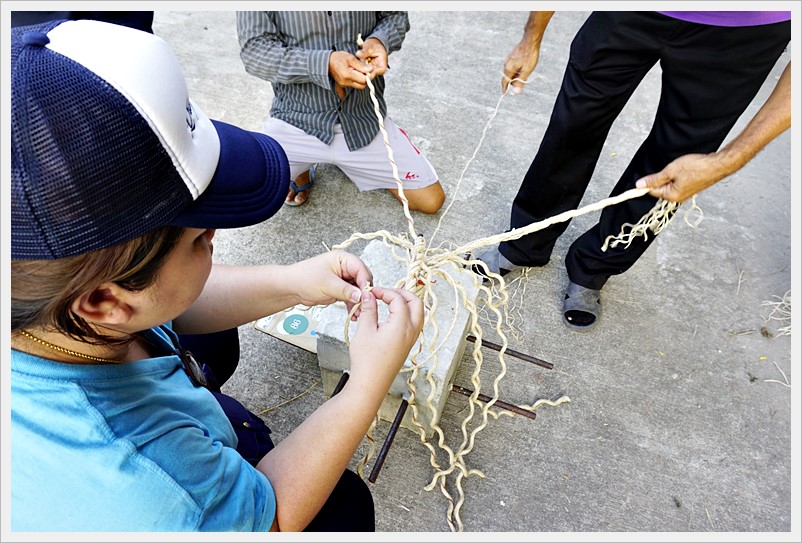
[679,419]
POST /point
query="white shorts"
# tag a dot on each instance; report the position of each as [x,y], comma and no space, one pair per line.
[369,167]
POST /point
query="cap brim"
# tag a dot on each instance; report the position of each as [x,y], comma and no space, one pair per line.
[249,185]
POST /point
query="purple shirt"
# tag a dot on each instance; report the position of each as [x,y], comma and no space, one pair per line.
[730,18]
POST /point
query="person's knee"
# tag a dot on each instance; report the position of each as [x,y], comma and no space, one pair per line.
[428,200]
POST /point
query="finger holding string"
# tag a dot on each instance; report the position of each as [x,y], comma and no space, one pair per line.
[509,88]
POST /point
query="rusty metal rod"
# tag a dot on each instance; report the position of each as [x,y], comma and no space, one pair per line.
[402,409]
[516,354]
[504,405]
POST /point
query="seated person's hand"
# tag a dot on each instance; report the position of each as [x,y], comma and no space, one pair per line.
[374,53]
[348,71]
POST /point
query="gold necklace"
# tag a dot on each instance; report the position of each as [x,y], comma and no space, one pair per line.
[66,351]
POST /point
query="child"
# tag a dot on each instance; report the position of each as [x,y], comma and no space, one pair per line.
[118,184]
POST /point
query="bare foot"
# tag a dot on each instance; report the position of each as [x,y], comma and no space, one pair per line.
[299,197]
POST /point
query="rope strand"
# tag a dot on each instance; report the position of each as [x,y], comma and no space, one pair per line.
[424,263]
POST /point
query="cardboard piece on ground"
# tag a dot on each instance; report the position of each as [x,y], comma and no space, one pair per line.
[296,325]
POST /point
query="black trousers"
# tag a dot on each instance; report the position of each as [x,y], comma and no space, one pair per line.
[218,351]
[348,509]
[709,77]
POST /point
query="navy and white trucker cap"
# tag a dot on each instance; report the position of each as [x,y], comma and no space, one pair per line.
[106,145]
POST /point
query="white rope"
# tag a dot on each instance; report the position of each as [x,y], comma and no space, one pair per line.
[427,263]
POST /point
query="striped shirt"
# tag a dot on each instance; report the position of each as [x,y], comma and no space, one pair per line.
[291,50]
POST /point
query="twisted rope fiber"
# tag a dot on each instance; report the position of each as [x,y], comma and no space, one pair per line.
[427,264]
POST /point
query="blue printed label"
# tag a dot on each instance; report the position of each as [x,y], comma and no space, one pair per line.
[296,324]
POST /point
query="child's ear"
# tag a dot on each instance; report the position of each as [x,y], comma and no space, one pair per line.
[102,305]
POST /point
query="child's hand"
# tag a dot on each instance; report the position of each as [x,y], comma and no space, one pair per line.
[331,276]
[379,349]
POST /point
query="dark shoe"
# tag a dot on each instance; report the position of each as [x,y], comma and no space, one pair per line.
[494,261]
[581,307]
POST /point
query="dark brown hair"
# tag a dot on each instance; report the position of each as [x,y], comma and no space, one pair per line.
[42,291]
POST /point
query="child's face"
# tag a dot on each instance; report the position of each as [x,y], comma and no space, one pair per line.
[182,277]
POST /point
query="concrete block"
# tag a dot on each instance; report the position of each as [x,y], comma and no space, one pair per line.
[435,369]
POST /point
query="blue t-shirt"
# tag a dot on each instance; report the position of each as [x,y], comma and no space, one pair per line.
[126,447]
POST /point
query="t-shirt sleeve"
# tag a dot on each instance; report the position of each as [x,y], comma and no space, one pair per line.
[238,497]
[226,492]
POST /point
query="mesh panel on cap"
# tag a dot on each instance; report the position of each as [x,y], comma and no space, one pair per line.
[87,170]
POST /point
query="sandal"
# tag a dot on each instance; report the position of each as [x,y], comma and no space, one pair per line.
[495,262]
[581,307]
[304,188]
